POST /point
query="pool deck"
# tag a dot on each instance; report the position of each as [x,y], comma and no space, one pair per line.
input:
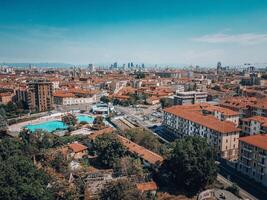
[16,128]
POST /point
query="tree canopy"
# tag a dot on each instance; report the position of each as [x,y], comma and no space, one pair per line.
[69,119]
[191,165]
[19,178]
[109,149]
[146,139]
[121,190]
[98,123]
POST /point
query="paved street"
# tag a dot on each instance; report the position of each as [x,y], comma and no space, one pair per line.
[248,187]
[242,192]
[138,120]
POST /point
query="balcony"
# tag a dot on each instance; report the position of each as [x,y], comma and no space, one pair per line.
[245,165]
[247,158]
[262,155]
[247,149]
[260,173]
[261,164]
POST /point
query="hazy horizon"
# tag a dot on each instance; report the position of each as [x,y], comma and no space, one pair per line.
[184,32]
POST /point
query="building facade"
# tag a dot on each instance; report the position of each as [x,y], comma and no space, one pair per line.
[191,97]
[253,157]
[254,125]
[40,95]
[189,121]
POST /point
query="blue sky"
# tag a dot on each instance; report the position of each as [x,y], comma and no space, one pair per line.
[151,31]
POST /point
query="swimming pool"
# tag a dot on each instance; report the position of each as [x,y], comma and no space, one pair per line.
[49,126]
[85,118]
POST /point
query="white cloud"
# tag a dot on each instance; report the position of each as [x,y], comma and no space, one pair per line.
[245,38]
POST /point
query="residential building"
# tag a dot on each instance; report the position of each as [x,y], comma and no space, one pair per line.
[40,95]
[246,106]
[259,108]
[222,114]
[191,97]
[192,120]
[254,125]
[253,157]
[68,98]
[6,97]
[77,150]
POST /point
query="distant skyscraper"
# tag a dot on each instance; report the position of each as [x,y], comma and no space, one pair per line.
[115,65]
[132,65]
[91,68]
[129,65]
[219,67]
[143,65]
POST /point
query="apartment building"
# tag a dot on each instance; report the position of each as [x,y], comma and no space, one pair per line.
[254,125]
[40,95]
[191,97]
[222,114]
[68,98]
[191,120]
[6,97]
[253,157]
[247,106]
[259,108]
[239,104]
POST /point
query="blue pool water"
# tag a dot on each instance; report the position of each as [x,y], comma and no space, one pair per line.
[49,126]
[85,118]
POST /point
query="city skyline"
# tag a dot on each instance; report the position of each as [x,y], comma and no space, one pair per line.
[177,32]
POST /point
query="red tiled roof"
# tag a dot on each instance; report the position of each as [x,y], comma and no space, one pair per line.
[225,111]
[191,113]
[262,120]
[147,186]
[144,153]
[101,132]
[77,147]
[63,94]
[259,140]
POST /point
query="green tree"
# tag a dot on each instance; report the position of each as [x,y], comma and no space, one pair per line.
[109,149]
[69,119]
[140,75]
[98,123]
[9,147]
[59,163]
[105,99]
[129,166]
[120,190]
[3,124]
[234,189]
[165,103]
[145,139]
[19,179]
[3,112]
[191,165]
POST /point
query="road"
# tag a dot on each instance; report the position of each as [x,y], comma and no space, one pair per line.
[254,190]
[138,120]
[242,192]
[247,189]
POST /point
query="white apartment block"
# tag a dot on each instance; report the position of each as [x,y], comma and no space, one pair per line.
[191,97]
[254,125]
[190,121]
[65,100]
[253,157]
